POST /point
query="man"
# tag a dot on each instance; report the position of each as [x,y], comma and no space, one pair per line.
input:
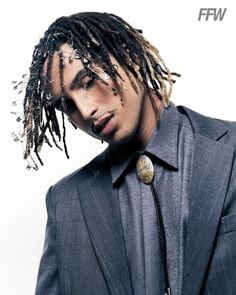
[155,212]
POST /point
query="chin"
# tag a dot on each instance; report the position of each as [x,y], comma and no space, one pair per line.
[121,141]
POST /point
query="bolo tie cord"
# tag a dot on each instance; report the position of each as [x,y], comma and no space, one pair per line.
[145,171]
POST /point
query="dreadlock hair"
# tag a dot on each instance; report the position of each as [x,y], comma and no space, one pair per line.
[94,36]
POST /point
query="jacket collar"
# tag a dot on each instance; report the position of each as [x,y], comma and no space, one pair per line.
[212,128]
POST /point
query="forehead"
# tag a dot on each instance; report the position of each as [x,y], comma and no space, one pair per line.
[70,69]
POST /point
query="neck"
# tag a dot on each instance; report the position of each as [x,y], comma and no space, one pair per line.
[149,119]
[148,122]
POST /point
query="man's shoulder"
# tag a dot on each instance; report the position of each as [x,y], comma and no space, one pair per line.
[209,126]
[67,186]
[231,125]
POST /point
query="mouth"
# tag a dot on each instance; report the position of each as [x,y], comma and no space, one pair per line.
[103,126]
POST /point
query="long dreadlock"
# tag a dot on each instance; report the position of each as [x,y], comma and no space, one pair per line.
[94,36]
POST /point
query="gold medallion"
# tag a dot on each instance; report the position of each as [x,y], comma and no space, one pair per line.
[145,169]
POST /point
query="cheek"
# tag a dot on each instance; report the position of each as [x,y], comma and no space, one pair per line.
[130,117]
[81,124]
[77,120]
[131,114]
[133,108]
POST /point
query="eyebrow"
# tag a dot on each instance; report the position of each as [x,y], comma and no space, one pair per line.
[78,77]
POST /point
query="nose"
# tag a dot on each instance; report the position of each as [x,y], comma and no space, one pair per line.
[86,106]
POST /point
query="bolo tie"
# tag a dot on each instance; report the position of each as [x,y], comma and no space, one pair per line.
[145,171]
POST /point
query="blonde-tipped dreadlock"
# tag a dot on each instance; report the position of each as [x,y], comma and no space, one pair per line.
[152,53]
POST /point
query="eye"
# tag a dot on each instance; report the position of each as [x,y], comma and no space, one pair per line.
[88,81]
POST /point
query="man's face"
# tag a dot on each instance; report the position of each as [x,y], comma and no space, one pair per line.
[92,106]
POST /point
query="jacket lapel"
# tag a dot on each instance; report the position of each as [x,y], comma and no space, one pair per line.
[211,172]
[101,212]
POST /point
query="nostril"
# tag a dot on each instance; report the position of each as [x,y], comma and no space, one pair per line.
[93,112]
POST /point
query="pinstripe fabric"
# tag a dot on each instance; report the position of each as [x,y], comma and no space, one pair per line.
[84,250]
[48,273]
[221,277]
[212,199]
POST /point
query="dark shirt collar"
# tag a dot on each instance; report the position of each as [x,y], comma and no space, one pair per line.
[163,144]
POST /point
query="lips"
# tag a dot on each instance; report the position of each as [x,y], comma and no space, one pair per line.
[100,124]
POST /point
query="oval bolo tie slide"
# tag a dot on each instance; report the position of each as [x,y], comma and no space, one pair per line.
[145,169]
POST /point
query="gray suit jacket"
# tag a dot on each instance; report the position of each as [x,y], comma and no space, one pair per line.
[84,252]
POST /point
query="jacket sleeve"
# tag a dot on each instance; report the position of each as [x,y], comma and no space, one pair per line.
[47,280]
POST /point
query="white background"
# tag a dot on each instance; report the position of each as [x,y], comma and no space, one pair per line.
[203,52]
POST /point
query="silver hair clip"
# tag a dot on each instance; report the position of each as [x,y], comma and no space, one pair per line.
[77,56]
[106,76]
[16,113]
[45,50]
[31,164]
[21,133]
[21,86]
[17,102]
[71,57]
